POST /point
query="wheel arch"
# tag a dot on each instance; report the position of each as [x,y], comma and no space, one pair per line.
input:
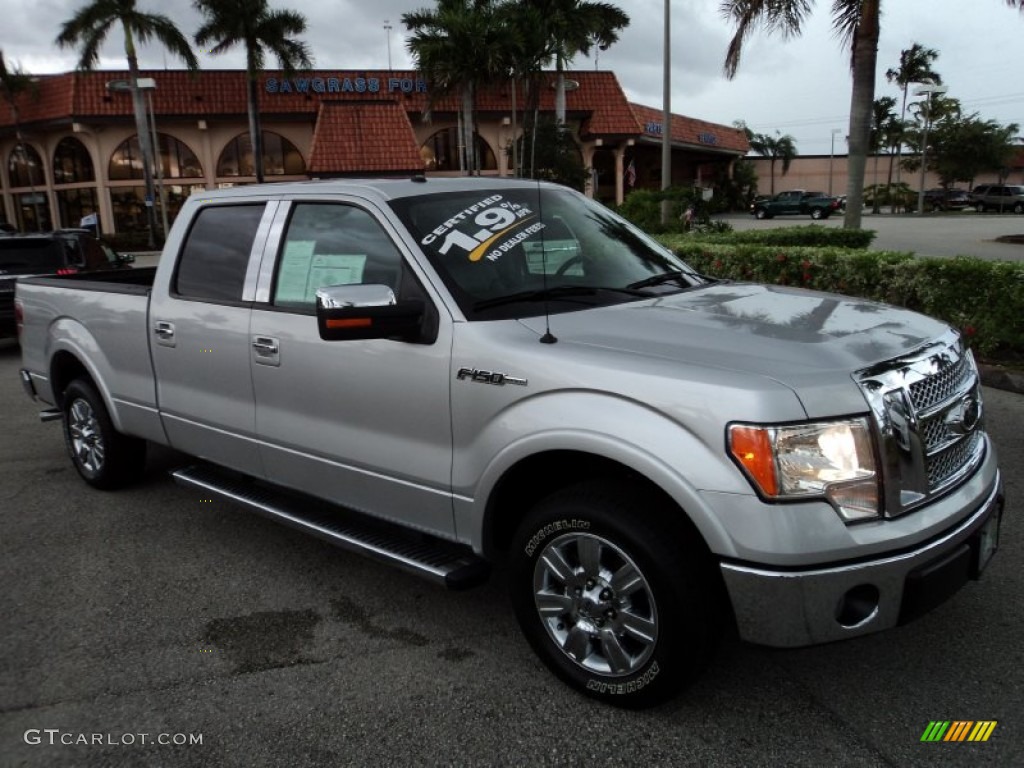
[538,475]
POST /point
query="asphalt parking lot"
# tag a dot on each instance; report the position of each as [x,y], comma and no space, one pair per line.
[147,611]
[960,233]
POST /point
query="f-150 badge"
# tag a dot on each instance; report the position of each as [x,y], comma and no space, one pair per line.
[489,377]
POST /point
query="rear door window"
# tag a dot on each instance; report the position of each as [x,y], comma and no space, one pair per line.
[215,257]
[28,256]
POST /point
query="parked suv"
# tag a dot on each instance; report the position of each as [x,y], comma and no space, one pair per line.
[940,199]
[63,252]
[999,197]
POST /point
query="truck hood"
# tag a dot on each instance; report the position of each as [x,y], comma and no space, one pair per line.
[786,334]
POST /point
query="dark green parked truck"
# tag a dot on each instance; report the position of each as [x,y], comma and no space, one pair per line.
[796,202]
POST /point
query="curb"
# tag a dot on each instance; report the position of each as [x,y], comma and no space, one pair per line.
[1001,378]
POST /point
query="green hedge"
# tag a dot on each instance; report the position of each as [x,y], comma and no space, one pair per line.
[984,299]
[813,234]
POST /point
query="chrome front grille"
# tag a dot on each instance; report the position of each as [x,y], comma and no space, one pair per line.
[927,409]
[941,386]
[950,461]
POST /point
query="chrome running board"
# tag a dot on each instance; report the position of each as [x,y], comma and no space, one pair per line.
[442,562]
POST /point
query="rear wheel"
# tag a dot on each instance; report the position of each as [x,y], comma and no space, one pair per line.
[1018,208]
[103,456]
[610,600]
[817,213]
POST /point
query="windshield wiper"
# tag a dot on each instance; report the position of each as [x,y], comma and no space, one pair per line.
[558,292]
[665,277]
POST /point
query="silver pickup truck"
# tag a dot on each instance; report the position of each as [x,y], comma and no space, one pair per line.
[449,373]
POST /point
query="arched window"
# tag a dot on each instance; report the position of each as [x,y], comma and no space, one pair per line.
[280,157]
[71,162]
[25,167]
[441,152]
[178,160]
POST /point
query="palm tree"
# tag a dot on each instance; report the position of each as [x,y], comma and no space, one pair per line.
[257,28]
[776,148]
[915,67]
[89,27]
[576,26]
[883,124]
[14,83]
[527,50]
[457,46]
[856,23]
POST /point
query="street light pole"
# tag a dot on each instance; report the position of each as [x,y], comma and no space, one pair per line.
[666,120]
[831,154]
[387,35]
[158,160]
[927,91]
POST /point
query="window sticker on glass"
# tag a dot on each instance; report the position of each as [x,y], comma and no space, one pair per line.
[293,280]
[335,269]
[488,229]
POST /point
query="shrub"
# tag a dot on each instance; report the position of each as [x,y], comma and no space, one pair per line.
[984,299]
[643,208]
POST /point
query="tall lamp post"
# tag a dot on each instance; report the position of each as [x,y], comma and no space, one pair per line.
[831,154]
[148,160]
[926,90]
[666,120]
[387,35]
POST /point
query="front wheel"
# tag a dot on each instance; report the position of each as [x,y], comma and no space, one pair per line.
[611,601]
[103,456]
[1018,208]
[760,213]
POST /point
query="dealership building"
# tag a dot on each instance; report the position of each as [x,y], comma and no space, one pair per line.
[79,152]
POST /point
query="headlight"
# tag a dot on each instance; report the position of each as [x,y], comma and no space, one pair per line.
[831,460]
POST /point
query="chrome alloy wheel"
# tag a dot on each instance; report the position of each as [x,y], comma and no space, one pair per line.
[596,604]
[86,438]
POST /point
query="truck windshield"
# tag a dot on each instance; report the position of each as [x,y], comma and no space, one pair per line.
[505,252]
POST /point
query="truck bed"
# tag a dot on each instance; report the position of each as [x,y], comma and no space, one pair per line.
[131,281]
[101,317]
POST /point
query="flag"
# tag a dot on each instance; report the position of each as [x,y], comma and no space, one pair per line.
[89,221]
[631,174]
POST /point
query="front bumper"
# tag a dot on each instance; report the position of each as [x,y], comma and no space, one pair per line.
[790,608]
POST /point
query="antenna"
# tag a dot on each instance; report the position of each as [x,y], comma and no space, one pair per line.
[548,337]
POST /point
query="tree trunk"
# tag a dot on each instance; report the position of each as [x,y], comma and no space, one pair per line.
[145,148]
[515,126]
[255,129]
[467,129]
[865,57]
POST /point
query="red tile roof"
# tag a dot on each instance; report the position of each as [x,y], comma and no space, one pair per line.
[598,100]
[689,130]
[364,137]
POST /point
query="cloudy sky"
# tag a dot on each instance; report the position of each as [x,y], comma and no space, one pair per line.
[799,86]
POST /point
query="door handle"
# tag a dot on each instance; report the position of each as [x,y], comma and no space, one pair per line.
[164,331]
[264,346]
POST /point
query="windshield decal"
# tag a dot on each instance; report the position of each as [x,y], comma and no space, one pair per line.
[492,222]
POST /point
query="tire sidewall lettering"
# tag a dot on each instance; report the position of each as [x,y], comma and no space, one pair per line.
[604,687]
[556,526]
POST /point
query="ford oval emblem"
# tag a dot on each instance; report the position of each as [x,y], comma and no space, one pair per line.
[964,417]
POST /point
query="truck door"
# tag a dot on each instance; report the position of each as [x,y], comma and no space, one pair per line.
[365,424]
[199,336]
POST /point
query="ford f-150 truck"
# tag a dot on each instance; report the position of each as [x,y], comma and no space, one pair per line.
[447,373]
[796,202]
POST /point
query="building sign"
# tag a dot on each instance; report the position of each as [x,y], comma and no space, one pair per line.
[344,85]
[704,137]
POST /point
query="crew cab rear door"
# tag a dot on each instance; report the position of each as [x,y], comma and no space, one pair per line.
[199,335]
[363,423]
